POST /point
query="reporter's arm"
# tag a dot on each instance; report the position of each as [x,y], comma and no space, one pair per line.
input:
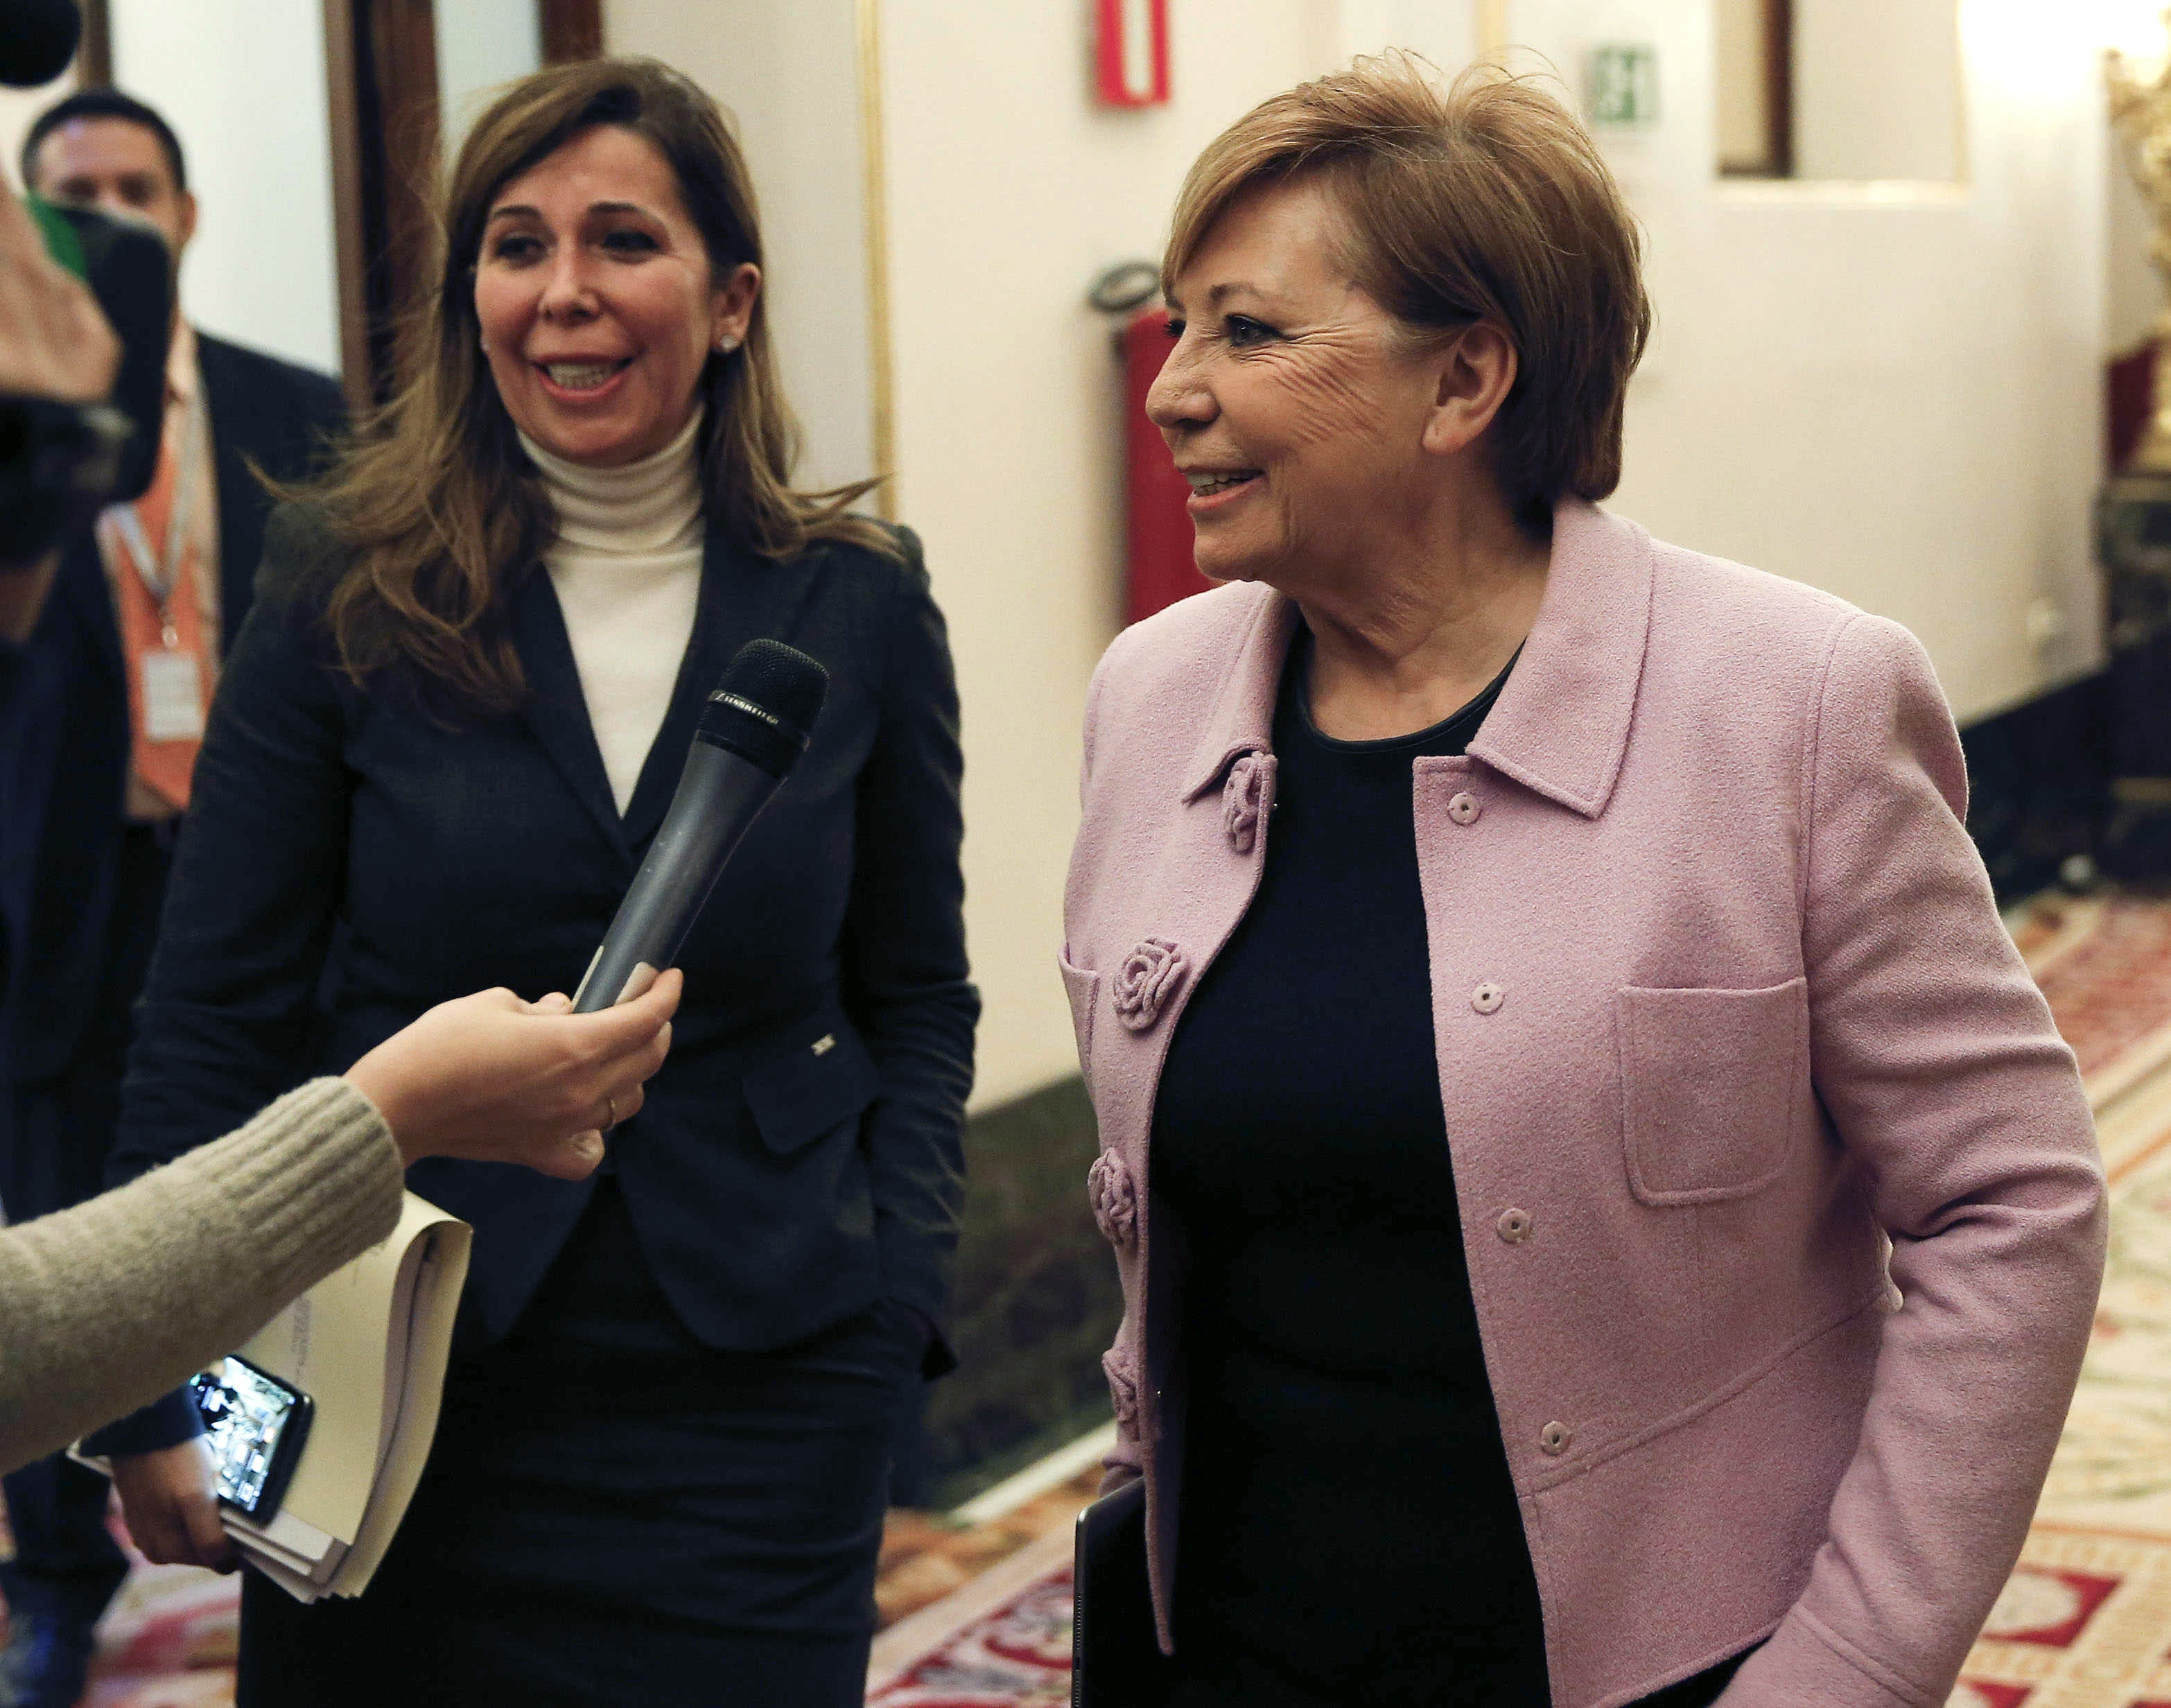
[245,1229]
[113,1303]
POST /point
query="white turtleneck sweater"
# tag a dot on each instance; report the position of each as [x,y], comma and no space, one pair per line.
[627,567]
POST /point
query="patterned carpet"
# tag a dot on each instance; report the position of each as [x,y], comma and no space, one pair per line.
[979,1617]
[2086,1620]
[168,1640]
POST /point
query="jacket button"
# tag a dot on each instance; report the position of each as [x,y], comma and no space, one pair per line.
[1488,997]
[1513,1226]
[1463,808]
[1554,1439]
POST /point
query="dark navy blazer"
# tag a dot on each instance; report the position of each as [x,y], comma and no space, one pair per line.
[800,1156]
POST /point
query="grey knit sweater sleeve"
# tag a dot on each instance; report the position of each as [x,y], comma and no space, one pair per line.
[106,1306]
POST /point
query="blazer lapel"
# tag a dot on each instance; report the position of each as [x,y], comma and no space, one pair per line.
[1242,720]
[240,544]
[1562,724]
[735,592]
[262,416]
[554,710]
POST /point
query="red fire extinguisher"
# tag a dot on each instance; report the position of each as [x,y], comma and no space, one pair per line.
[1160,569]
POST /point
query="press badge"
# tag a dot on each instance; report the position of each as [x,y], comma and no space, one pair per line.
[173,697]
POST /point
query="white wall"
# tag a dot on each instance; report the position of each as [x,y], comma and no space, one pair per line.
[788,76]
[260,270]
[482,44]
[243,83]
[18,108]
[1445,31]
[1877,88]
[1009,191]
[1894,394]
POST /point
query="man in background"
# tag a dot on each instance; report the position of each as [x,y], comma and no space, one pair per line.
[124,658]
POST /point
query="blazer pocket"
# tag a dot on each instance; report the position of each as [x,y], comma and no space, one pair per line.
[1712,1085]
[1084,990]
[811,1090]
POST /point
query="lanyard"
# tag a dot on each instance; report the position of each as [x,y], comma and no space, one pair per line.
[159,577]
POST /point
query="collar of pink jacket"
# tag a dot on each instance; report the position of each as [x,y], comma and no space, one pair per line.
[1562,722]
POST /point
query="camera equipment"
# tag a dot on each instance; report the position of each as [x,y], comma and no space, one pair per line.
[57,463]
[37,40]
[61,461]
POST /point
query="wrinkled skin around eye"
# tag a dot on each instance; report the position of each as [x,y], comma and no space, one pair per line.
[1285,367]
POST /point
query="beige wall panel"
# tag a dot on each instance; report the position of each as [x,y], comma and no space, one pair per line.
[1891,394]
[1008,190]
[789,74]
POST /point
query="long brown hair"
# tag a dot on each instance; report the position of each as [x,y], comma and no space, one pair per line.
[438,506]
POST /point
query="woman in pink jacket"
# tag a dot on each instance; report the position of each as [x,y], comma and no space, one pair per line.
[1603,1215]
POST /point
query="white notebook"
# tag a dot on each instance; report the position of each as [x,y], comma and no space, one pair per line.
[368,1344]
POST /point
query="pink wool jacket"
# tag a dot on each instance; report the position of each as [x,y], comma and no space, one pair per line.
[1721,1002]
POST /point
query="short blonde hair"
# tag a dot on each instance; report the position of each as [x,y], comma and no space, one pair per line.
[1485,200]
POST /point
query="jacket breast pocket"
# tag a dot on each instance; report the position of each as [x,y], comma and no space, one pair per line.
[1712,1088]
[1084,990]
[811,1090]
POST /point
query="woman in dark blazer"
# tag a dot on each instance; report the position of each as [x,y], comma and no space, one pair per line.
[662,1472]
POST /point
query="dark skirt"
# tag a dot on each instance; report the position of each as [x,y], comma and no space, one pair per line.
[613,1513]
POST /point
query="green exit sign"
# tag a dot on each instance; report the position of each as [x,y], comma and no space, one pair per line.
[1624,84]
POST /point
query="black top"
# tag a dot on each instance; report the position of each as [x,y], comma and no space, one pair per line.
[800,1155]
[1349,1533]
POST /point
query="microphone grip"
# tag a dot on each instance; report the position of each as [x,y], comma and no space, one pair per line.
[719,795]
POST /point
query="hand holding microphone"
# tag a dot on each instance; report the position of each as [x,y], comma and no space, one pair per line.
[752,731]
[492,1079]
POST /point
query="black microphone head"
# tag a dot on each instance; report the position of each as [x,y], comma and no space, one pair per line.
[765,705]
[37,40]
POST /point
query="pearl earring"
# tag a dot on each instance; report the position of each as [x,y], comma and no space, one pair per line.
[727,342]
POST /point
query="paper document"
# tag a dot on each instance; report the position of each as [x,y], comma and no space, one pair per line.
[368,1344]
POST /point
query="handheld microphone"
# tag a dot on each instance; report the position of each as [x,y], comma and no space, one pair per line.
[752,731]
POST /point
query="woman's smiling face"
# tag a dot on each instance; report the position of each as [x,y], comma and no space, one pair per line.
[1292,401]
[597,303]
